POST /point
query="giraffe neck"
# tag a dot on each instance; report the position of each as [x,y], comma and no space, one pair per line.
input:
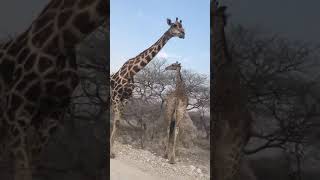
[219,41]
[147,55]
[180,86]
[63,24]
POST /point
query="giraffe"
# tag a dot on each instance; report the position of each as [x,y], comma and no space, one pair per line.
[231,118]
[122,83]
[38,74]
[175,108]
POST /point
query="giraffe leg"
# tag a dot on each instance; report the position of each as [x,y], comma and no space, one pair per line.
[116,122]
[169,111]
[167,146]
[173,152]
[179,114]
[172,132]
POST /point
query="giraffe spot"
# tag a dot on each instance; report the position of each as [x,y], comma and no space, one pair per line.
[6,70]
[136,61]
[49,86]
[62,91]
[123,81]
[41,37]
[6,45]
[44,63]
[117,78]
[55,3]
[153,53]
[52,130]
[68,4]
[16,144]
[136,68]
[33,93]
[1,54]
[63,18]
[51,75]
[126,76]
[69,38]
[120,90]
[15,48]
[43,20]
[16,102]
[72,61]
[142,55]
[30,109]
[159,47]
[61,62]
[142,63]
[23,37]
[84,3]
[21,85]
[22,123]
[117,87]
[112,83]
[30,62]
[52,48]
[22,55]
[84,28]
[122,72]
[14,130]
[148,58]
[145,53]
[18,73]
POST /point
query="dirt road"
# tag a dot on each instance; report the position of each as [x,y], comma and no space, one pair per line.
[138,164]
[121,171]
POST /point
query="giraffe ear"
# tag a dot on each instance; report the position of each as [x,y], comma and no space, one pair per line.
[169,21]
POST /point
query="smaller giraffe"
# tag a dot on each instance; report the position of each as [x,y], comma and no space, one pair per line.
[175,107]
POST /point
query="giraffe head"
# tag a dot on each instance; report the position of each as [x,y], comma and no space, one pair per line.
[174,66]
[176,28]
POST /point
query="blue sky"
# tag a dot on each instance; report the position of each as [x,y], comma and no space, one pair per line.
[137,24]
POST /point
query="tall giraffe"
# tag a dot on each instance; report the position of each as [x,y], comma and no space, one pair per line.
[175,109]
[231,118]
[38,74]
[122,83]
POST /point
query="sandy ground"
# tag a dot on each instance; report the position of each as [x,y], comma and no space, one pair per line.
[122,171]
[138,164]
